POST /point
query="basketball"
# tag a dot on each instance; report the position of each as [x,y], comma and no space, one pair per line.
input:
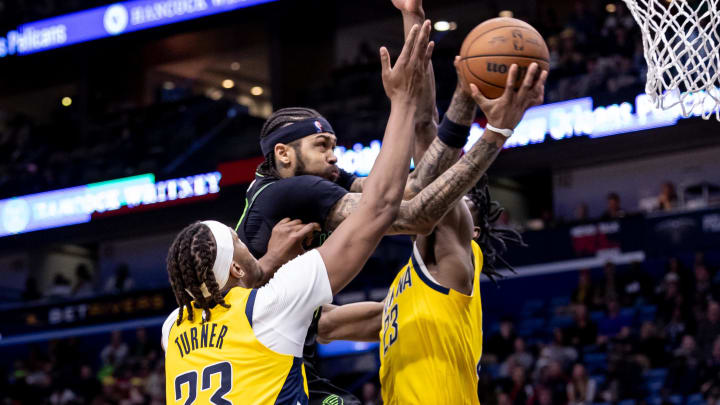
[493,46]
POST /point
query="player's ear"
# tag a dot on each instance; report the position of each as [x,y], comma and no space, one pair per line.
[476,232]
[237,271]
[282,154]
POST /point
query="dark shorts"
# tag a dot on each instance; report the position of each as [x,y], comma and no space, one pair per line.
[322,392]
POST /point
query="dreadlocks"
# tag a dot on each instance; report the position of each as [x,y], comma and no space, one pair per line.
[279,119]
[492,240]
[189,265]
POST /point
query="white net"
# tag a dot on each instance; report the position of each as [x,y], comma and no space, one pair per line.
[682,49]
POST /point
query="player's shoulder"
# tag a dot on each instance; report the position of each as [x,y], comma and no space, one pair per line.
[167,325]
[296,185]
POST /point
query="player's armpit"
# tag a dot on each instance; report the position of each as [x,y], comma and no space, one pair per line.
[357,185]
[360,321]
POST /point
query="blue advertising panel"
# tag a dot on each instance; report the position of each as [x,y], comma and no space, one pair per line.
[550,122]
[115,19]
[76,205]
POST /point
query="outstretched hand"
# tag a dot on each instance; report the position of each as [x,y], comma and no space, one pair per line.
[288,240]
[413,7]
[405,79]
[506,111]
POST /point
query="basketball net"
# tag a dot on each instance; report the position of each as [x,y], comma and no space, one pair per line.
[681,39]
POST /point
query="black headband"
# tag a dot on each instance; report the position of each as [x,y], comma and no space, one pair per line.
[294,131]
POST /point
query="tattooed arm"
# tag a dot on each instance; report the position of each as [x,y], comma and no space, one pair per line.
[421,213]
[434,155]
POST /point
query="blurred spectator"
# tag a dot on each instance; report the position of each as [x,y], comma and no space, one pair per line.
[584,292]
[675,328]
[370,394]
[614,210]
[31,290]
[710,379]
[651,347]
[583,332]
[613,321]
[60,287]
[684,371]
[553,378]
[636,285]
[520,357]
[681,274]
[582,212]
[503,399]
[120,281]
[583,21]
[83,285]
[114,354]
[709,328]
[556,352]
[142,347]
[609,289]
[670,297]
[87,386]
[580,389]
[502,343]
[703,285]
[542,396]
[668,199]
[620,18]
[624,380]
[518,389]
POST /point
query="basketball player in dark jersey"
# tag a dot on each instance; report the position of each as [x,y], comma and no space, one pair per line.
[299,180]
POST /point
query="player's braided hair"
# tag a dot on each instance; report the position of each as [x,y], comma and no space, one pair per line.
[189,265]
[279,119]
[492,239]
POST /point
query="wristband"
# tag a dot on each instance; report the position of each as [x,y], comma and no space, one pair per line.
[452,134]
[507,133]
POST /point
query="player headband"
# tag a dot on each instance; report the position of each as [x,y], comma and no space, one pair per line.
[294,131]
[223,255]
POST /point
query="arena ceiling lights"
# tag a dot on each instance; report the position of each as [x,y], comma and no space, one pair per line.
[112,20]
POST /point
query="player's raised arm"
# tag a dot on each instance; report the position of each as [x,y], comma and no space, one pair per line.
[420,214]
[349,247]
[433,202]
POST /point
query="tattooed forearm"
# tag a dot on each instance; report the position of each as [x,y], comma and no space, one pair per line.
[428,207]
[357,185]
[438,158]
[462,108]
[341,210]
[422,212]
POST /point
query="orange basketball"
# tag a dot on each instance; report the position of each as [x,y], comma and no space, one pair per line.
[493,46]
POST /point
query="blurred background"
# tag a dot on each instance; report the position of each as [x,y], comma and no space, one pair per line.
[120,125]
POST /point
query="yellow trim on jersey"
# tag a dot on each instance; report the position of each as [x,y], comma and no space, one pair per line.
[222,359]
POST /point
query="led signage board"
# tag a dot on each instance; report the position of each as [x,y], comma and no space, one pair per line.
[555,121]
[106,21]
[76,205]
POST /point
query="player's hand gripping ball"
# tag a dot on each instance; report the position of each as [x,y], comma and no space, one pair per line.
[493,46]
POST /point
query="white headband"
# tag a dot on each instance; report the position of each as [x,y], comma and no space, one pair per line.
[223,255]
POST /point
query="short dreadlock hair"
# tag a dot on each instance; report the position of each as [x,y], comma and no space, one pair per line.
[492,239]
[279,119]
[189,265]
